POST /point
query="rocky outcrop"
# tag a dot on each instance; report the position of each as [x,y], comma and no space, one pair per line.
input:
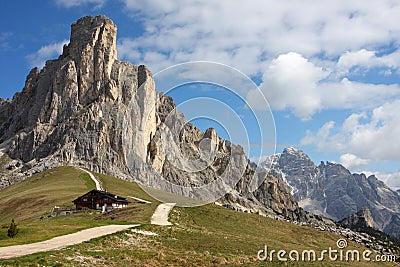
[363,218]
[331,190]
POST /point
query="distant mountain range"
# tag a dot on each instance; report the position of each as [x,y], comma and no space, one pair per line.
[329,189]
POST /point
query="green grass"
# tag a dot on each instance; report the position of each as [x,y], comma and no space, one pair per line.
[32,200]
[201,236]
[30,232]
[36,196]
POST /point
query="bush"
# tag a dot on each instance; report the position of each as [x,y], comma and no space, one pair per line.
[13,230]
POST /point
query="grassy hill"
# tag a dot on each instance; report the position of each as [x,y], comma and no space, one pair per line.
[201,236]
[32,200]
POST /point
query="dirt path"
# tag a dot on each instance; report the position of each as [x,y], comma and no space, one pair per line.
[140,200]
[97,182]
[160,215]
[61,241]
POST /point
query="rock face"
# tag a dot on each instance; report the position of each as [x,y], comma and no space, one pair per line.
[331,190]
[72,109]
[212,158]
[362,217]
[88,109]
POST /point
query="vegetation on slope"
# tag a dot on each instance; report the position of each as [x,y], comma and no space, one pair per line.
[202,236]
[31,201]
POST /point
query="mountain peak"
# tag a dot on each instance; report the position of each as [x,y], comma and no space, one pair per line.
[93,35]
[93,51]
[74,106]
[291,150]
[294,152]
[294,155]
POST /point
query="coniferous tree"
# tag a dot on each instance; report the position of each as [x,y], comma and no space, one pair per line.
[13,230]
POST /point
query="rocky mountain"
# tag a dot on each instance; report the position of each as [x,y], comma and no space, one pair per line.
[89,109]
[329,189]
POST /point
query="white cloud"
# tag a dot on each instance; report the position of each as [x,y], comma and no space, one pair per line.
[346,94]
[295,83]
[361,57]
[365,59]
[4,41]
[320,138]
[5,35]
[371,135]
[247,36]
[75,3]
[38,59]
[351,161]
[291,81]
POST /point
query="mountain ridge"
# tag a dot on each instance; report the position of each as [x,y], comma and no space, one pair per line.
[331,190]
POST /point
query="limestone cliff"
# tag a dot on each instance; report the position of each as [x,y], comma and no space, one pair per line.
[72,109]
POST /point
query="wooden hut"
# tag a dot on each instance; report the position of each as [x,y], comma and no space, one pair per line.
[100,200]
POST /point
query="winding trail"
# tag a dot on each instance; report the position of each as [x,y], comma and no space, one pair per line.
[97,182]
[61,241]
[160,215]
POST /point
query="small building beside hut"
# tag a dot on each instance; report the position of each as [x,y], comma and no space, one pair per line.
[100,200]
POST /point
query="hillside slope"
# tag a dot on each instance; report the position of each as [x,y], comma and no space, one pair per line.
[202,236]
[31,201]
[36,196]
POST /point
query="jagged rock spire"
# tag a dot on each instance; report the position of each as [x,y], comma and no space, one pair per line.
[93,48]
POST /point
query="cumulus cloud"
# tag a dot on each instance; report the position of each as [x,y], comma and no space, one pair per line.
[363,60]
[292,81]
[248,36]
[38,59]
[351,161]
[320,137]
[295,83]
[372,135]
[360,58]
[75,3]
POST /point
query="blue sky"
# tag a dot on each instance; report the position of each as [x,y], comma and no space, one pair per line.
[329,69]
